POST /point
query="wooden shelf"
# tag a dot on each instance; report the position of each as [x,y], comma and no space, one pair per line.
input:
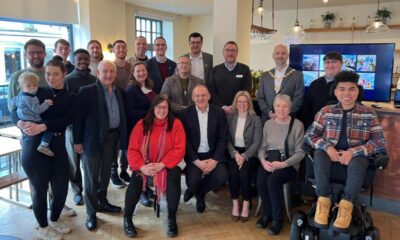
[397,51]
[345,29]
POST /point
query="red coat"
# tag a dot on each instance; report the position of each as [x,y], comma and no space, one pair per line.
[174,148]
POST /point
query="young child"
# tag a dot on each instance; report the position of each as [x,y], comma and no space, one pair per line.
[29,109]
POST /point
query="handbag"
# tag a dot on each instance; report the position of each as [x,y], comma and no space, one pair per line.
[276,155]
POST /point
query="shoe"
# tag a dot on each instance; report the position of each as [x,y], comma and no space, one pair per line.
[125,177]
[116,181]
[78,199]
[91,222]
[109,208]
[275,228]
[149,193]
[343,218]
[68,212]
[45,150]
[48,233]
[172,226]
[60,226]
[187,195]
[244,219]
[129,228]
[144,200]
[322,212]
[235,218]
[263,221]
[200,204]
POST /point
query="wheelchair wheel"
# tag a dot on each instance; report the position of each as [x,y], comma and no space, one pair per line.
[373,234]
[299,220]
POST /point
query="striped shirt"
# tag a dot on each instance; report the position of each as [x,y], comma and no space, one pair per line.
[364,132]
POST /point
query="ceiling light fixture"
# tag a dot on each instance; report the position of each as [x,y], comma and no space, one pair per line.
[325,1]
[377,26]
[296,33]
[260,8]
[260,34]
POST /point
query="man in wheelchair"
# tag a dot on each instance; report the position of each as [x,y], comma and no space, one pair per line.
[346,133]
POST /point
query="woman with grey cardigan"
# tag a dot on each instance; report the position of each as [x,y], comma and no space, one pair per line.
[274,173]
[244,141]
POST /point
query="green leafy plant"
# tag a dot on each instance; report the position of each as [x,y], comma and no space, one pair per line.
[383,13]
[328,16]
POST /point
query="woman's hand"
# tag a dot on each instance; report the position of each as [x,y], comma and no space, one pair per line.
[78,148]
[158,167]
[278,165]
[239,159]
[147,170]
[267,166]
[32,129]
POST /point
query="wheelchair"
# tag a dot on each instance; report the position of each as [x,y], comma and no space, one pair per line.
[362,225]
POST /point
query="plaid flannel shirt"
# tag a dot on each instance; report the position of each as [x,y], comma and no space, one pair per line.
[364,132]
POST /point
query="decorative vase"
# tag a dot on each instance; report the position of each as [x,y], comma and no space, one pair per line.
[328,23]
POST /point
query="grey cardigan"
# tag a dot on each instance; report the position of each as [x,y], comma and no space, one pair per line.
[252,134]
[173,89]
[295,143]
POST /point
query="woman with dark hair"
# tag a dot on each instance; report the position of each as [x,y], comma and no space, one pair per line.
[138,97]
[156,146]
[41,169]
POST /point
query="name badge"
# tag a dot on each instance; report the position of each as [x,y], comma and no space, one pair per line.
[239,76]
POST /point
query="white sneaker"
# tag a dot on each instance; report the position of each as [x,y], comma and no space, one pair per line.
[60,226]
[48,233]
[68,212]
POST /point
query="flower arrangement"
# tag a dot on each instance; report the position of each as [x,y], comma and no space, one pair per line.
[328,16]
[255,75]
[383,14]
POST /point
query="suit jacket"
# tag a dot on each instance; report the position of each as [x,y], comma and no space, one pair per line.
[155,74]
[208,65]
[252,134]
[217,132]
[91,126]
[292,85]
[173,89]
[137,105]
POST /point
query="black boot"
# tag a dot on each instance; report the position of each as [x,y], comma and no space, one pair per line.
[275,227]
[129,228]
[172,226]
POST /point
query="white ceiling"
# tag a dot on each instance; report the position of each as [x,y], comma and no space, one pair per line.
[205,7]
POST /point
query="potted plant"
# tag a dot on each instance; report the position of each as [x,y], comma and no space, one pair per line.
[328,18]
[383,14]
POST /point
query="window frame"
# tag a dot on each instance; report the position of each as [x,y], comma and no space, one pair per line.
[148,32]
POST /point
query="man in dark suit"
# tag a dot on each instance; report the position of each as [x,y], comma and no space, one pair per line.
[281,79]
[202,62]
[206,132]
[159,66]
[100,125]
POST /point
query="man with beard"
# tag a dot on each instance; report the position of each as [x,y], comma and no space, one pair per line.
[96,55]
[140,48]
[35,53]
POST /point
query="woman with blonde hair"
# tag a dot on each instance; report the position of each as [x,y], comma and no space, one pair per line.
[244,141]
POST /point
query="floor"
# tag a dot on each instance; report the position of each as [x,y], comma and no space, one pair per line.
[214,223]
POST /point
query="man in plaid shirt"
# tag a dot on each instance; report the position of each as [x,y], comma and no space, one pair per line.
[346,133]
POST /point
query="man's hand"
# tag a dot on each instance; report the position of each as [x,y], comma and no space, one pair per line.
[333,154]
[49,101]
[345,157]
[78,148]
[211,164]
[201,164]
[32,129]
[227,109]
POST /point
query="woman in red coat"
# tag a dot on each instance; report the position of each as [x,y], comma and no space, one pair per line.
[156,146]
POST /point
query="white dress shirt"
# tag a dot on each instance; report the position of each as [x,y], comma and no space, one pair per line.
[197,66]
[203,124]
[239,140]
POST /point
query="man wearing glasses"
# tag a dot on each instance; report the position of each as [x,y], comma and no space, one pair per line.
[159,66]
[201,62]
[228,78]
[35,53]
[179,87]
[319,92]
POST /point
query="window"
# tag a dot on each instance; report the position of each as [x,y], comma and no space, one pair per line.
[13,35]
[150,29]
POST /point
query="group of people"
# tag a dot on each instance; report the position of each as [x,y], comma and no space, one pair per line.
[153,113]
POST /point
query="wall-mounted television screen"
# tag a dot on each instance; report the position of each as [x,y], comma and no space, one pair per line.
[372,61]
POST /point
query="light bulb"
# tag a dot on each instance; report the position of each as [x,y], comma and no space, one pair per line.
[377,24]
[325,1]
[260,9]
[296,28]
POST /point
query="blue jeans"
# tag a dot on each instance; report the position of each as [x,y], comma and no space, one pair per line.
[356,171]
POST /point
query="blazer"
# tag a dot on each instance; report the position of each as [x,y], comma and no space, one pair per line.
[208,65]
[292,85]
[252,134]
[155,74]
[173,89]
[217,132]
[136,104]
[91,125]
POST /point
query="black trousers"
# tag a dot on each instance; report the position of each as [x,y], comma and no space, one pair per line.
[75,174]
[239,179]
[200,185]
[97,171]
[270,189]
[123,162]
[43,170]
[134,190]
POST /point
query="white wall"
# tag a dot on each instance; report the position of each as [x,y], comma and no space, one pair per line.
[203,25]
[261,55]
[63,11]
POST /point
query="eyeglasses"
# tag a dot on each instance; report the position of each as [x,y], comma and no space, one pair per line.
[160,44]
[161,107]
[184,63]
[195,43]
[242,102]
[229,50]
